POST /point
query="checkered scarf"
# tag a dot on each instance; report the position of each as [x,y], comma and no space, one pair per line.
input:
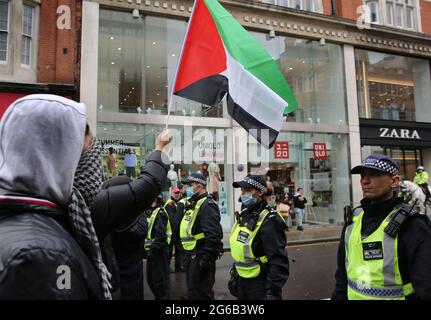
[86,186]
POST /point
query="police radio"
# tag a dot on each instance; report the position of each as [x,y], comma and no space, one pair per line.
[398,219]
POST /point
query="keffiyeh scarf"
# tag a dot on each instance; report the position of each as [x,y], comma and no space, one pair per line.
[86,186]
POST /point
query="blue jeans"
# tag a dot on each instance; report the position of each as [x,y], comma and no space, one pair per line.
[299,216]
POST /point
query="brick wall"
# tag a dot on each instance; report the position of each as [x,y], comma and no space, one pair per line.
[426,16]
[58,49]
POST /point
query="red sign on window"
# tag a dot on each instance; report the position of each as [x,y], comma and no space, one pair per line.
[320,151]
[281,150]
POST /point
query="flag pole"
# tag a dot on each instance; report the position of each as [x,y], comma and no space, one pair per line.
[171,92]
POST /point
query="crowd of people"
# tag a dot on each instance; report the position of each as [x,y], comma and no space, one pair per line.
[65,235]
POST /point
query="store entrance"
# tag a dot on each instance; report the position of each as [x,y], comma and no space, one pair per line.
[407,159]
[281,176]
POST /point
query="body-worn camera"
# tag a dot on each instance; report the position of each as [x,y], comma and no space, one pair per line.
[399,218]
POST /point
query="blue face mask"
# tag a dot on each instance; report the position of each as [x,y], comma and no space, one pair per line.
[190,192]
[248,200]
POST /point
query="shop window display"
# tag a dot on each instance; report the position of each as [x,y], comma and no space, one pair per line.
[325,179]
[392,87]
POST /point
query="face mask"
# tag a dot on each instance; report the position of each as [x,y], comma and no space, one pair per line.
[190,192]
[248,200]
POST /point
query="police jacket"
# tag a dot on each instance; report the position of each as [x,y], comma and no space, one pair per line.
[270,241]
[36,240]
[414,247]
[208,222]
[174,218]
[158,232]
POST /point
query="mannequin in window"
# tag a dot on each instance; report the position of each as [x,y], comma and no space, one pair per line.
[213,180]
[172,176]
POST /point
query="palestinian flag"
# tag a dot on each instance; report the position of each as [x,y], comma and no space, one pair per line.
[219,56]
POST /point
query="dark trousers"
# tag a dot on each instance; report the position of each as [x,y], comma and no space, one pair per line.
[252,289]
[158,274]
[200,283]
[425,189]
[179,253]
[131,278]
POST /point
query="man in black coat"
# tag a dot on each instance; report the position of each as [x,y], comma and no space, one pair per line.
[127,244]
[49,239]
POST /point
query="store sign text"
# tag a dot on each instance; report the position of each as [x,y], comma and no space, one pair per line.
[399,133]
[281,150]
[319,151]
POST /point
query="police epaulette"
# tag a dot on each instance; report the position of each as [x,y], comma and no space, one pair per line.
[349,213]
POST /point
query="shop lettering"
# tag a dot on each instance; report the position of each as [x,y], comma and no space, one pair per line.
[399,134]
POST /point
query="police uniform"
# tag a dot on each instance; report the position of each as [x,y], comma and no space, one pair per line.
[257,243]
[384,251]
[175,213]
[421,179]
[157,249]
[201,236]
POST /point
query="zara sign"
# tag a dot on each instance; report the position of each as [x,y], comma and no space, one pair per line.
[399,133]
[395,133]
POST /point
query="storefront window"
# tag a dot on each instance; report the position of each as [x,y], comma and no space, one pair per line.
[407,159]
[392,87]
[315,74]
[195,149]
[137,63]
[315,162]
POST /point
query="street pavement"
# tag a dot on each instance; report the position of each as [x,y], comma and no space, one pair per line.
[312,269]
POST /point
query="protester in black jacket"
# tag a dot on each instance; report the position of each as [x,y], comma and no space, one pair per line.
[128,248]
[49,239]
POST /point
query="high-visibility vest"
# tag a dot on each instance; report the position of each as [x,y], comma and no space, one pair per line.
[188,240]
[372,263]
[241,240]
[421,178]
[149,239]
[168,202]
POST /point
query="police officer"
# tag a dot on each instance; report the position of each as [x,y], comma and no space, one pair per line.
[384,251]
[257,243]
[421,179]
[175,216]
[201,236]
[157,249]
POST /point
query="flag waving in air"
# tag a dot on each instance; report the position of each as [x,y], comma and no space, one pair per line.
[219,56]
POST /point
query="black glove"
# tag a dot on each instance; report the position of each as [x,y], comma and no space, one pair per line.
[272,294]
[233,282]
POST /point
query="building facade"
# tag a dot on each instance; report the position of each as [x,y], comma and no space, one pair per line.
[39,47]
[341,70]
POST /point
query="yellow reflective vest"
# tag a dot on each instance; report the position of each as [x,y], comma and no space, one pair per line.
[188,240]
[372,263]
[241,240]
[151,219]
[421,178]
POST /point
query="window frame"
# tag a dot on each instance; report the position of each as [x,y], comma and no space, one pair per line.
[28,36]
[317,4]
[369,3]
[7,31]
[403,6]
